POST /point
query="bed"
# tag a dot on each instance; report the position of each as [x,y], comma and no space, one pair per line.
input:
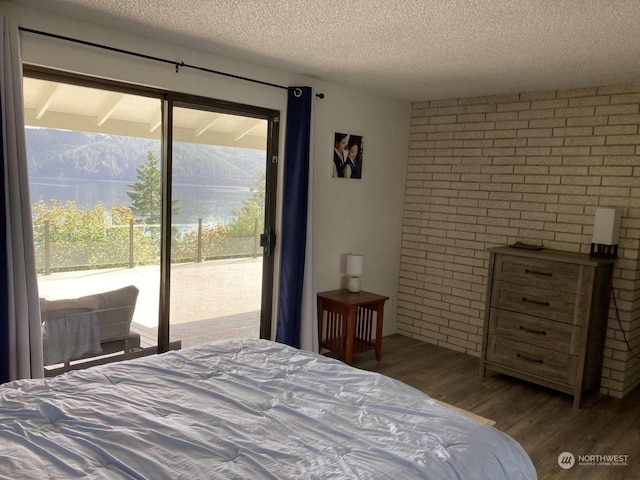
[239,409]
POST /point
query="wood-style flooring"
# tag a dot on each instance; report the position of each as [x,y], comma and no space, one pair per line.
[543,421]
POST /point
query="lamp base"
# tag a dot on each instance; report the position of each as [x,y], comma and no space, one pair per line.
[604,251]
[353,285]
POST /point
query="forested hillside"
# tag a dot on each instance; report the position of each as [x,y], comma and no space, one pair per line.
[71,154]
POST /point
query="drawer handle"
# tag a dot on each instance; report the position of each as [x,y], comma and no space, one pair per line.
[533,330]
[537,302]
[536,272]
[529,359]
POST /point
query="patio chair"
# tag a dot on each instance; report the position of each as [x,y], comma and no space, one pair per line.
[88,326]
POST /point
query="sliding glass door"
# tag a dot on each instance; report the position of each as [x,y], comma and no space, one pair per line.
[150,211]
[218,185]
[97,241]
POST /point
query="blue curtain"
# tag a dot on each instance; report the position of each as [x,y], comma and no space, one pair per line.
[294,215]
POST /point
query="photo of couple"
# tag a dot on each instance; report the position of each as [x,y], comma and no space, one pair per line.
[347,156]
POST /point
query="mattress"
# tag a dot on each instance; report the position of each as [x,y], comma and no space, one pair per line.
[238,409]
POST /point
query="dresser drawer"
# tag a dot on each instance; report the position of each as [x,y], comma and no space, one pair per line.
[539,302]
[532,360]
[556,336]
[561,277]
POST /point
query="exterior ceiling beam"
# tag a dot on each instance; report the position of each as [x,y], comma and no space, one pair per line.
[155,124]
[108,111]
[206,126]
[248,130]
[46,100]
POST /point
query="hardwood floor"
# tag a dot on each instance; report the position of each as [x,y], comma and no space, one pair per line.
[543,421]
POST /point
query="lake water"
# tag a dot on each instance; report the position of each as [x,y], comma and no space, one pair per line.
[214,204]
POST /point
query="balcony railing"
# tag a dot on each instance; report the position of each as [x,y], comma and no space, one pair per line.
[139,244]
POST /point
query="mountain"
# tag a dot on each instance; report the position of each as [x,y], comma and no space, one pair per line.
[71,154]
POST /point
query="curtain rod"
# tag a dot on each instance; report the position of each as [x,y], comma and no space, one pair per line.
[178,65]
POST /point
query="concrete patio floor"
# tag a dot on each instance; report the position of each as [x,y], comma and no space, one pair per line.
[212,300]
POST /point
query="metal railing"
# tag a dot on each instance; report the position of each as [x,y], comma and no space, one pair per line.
[140,245]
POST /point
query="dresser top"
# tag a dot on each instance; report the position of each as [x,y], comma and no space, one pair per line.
[554,255]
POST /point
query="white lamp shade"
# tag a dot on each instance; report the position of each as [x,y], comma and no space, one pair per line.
[606,226]
[355,265]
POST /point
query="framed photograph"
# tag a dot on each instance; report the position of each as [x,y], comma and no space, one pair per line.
[348,152]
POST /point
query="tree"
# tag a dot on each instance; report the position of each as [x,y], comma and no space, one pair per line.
[215,242]
[243,223]
[146,193]
[94,238]
[236,238]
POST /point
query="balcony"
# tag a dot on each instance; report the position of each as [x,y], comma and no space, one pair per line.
[224,304]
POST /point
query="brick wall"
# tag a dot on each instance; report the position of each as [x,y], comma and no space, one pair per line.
[489,171]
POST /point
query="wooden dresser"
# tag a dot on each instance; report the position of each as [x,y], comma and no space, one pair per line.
[546,318]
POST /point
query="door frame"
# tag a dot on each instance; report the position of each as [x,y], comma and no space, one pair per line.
[169,99]
[268,237]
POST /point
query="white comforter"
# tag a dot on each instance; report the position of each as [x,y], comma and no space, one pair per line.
[242,409]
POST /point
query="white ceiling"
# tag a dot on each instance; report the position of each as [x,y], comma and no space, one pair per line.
[408,49]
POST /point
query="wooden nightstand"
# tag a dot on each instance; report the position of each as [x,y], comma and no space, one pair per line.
[348,326]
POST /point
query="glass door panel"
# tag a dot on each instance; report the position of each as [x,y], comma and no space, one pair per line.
[218,183]
[95,189]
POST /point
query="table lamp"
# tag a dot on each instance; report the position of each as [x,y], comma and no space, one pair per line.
[606,227]
[354,270]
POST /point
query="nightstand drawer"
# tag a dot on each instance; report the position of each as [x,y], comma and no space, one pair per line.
[556,336]
[532,360]
[543,303]
[561,277]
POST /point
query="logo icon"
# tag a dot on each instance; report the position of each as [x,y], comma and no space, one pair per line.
[566,460]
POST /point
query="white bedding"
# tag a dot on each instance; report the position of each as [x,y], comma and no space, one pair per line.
[242,409]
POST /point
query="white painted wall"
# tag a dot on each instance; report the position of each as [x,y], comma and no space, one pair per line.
[361,216]
[358,216]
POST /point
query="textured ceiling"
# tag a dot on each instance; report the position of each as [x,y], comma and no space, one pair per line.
[408,49]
